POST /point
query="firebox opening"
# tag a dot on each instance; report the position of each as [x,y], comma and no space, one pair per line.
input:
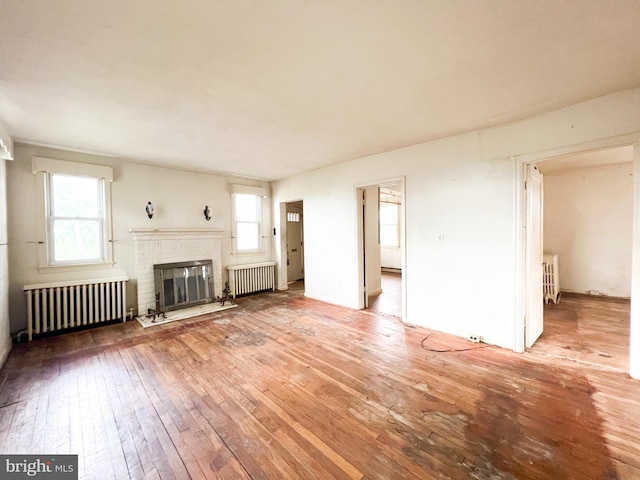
[184,284]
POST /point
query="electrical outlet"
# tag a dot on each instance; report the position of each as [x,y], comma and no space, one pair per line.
[475,338]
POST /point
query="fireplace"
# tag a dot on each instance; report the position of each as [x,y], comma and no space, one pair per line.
[176,246]
[183,284]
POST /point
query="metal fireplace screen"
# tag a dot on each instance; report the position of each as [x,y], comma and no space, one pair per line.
[184,284]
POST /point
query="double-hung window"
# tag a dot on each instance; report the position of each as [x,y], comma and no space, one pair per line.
[76,200]
[247,209]
[389,232]
[389,218]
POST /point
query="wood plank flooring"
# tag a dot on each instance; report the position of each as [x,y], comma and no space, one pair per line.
[587,329]
[390,300]
[285,387]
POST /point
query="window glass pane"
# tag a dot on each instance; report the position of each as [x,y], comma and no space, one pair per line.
[77,197]
[389,225]
[246,207]
[76,240]
[247,236]
[388,214]
[293,217]
[388,235]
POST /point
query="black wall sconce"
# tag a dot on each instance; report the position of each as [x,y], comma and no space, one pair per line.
[149,209]
[207,213]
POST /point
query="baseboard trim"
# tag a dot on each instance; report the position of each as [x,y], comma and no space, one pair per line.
[391,270]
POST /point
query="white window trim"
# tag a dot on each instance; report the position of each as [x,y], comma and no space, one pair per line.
[42,167]
[261,194]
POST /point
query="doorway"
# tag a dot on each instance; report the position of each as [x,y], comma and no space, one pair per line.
[295,242]
[585,223]
[382,254]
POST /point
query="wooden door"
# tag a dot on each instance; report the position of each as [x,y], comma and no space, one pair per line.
[295,244]
[534,304]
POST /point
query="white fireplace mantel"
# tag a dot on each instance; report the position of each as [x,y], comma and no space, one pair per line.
[155,233]
[170,245]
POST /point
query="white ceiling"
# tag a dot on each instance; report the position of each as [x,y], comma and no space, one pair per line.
[268,89]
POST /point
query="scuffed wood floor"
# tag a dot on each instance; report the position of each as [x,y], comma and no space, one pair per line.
[285,387]
[588,329]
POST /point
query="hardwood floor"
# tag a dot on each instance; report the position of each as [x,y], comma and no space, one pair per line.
[287,387]
[587,329]
[390,300]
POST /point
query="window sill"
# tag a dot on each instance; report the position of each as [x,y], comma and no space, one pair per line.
[76,268]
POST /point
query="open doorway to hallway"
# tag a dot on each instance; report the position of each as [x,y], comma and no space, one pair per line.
[295,244]
[587,222]
[383,247]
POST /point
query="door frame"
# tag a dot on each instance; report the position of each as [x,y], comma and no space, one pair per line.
[281,249]
[520,213]
[360,237]
[297,204]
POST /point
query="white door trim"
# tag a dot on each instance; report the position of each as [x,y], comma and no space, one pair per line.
[359,238]
[634,332]
[520,212]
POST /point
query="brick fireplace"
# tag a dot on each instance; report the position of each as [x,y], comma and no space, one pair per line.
[159,246]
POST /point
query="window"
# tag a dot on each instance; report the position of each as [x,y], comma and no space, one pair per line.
[75,219]
[293,217]
[247,220]
[389,225]
[76,207]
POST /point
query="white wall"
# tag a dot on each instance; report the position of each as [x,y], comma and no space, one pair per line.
[460,207]
[179,198]
[391,257]
[5,335]
[588,216]
[448,191]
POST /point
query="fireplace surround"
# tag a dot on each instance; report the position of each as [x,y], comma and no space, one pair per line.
[174,246]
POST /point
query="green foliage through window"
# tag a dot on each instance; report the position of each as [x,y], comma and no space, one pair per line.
[76,219]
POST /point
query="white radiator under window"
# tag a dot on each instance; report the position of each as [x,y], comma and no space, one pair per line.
[251,278]
[57,306]
[550,278]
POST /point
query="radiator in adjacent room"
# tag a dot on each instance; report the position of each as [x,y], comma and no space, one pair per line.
[251,278]
[550,278]
[53,307]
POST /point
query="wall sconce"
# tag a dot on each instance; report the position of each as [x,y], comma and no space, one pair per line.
[207,213]
[149,209]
